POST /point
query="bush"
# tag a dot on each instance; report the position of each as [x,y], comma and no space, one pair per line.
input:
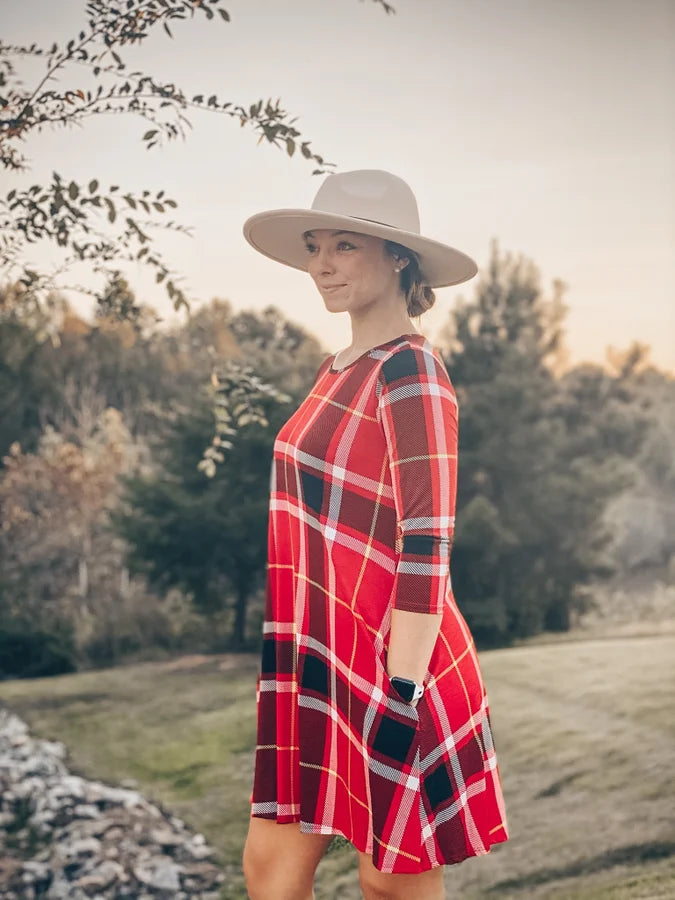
[27,651]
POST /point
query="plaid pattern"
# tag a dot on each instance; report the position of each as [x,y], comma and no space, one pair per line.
[362,502]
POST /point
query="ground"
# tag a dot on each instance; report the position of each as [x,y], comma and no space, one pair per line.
[583,728]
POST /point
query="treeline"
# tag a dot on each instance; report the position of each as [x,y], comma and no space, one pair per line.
[133,520]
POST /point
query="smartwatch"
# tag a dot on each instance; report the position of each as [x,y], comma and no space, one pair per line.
[409,690]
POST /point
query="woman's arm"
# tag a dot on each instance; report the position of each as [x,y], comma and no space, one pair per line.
[417,409]
[411,643]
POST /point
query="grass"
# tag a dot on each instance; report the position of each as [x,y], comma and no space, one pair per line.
[584,733]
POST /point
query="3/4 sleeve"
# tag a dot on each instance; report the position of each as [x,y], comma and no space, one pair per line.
[417,409]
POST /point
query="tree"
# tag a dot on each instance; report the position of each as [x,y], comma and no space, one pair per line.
[203,535]
[204,529]
[68,212]
[24,384]
[642,518]
[52,361]
[56,551]
[533,483]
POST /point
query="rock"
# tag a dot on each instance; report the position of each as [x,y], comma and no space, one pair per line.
[83,847]
[76,839]
[159,873]
[86,811]
[165,838]
[101,877]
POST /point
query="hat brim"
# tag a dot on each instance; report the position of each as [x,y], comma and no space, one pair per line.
[277,234]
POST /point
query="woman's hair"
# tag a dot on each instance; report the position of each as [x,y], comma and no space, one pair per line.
[419,297]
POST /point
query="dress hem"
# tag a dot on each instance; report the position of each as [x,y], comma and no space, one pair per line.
[312,829]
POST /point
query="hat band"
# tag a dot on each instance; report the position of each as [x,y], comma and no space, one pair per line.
[375,222]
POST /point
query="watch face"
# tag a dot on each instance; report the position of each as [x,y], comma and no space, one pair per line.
[404,687]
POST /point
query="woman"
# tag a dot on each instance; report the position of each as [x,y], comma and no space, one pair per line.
[373,719]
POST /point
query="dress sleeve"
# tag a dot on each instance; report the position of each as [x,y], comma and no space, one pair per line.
[417,410]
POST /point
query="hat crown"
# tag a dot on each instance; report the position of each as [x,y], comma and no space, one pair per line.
[370,194]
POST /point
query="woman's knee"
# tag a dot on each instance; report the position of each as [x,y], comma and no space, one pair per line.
[279,862]
[376,885]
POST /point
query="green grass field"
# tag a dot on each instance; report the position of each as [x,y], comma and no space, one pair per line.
[584,731]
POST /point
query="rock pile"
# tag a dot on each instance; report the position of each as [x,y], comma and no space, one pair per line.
[63,837]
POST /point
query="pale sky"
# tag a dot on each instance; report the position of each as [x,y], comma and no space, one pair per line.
[547,124]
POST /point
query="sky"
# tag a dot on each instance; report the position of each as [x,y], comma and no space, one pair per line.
[548,125]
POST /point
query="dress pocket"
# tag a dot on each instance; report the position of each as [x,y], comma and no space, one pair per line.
[396,732]
[394,781]
[395,698]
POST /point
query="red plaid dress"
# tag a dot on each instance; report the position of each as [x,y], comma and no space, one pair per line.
[362,510]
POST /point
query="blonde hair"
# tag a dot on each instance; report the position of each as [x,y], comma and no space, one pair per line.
[419,297]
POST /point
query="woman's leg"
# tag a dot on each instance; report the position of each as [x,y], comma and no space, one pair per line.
[280,861]
[378,885]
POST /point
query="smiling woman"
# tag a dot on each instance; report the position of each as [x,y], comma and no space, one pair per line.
[373,718]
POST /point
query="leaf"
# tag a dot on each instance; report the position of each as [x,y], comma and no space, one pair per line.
[290,146]
[93,184]
[150,134]
[73,190]
[225,15]
[168,31]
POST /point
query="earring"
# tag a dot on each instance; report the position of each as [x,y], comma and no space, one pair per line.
[397,269]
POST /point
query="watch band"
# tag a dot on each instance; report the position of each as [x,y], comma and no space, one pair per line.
[407,688]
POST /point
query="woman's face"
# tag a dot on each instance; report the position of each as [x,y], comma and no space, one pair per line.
[351,270]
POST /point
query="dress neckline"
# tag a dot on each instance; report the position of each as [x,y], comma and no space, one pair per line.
[370,349]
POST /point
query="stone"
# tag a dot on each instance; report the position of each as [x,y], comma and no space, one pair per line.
[78,839]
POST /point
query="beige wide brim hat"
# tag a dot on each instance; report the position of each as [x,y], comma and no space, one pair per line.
[368,201]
